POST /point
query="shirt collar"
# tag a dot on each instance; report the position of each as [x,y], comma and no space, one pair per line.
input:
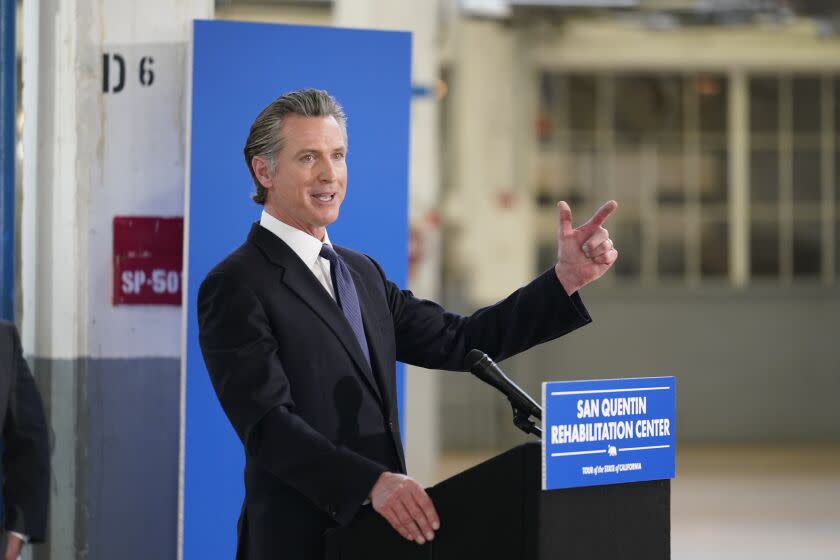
[306,247]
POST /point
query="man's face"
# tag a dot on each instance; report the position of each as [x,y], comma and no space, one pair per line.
[310,180]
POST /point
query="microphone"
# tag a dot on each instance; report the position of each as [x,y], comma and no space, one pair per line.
[486,369]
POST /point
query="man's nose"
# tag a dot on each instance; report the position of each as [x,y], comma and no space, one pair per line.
[328,172]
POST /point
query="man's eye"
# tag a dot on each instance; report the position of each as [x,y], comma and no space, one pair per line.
[338,156]
[308,157]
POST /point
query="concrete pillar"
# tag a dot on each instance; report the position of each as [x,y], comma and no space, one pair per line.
[420,18]
[490,198]
[490,251]
[95,148]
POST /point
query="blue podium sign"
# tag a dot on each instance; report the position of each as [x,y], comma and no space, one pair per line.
[607,431]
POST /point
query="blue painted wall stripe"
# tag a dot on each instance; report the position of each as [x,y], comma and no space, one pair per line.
[8,66]
[422,91]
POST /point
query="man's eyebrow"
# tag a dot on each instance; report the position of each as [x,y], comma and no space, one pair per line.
[316,150]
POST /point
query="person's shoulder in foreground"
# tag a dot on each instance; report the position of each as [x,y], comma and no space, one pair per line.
[25,464]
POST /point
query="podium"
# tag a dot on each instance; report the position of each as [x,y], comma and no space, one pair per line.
[497,509]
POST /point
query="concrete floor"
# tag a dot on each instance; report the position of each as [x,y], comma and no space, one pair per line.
[742,502]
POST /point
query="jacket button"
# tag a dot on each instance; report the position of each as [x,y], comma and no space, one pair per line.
[391,425]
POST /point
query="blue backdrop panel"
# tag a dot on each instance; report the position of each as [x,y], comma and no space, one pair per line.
[238,68]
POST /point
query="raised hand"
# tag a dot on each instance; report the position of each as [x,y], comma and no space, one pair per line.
[406,506]
[585,253]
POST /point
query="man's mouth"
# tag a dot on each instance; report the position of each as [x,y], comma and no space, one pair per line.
[324,197]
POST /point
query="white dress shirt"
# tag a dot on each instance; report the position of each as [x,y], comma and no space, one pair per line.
[306,247]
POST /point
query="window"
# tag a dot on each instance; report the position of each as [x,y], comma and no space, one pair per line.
[660,144]
[793,186]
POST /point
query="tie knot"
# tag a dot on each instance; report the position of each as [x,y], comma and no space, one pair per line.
[329,253]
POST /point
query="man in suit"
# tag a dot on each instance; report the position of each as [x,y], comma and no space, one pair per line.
[26,460]
[300,339]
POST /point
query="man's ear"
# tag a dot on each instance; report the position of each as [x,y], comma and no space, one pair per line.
[262,171]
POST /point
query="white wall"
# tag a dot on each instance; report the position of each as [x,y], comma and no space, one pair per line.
[89,156]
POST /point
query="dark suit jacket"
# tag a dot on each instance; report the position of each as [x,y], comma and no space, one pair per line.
[318,424]
[26,459]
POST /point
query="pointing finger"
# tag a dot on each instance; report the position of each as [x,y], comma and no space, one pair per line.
[601,215]
[565,218]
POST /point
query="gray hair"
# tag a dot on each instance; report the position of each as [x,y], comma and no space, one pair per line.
[265,139]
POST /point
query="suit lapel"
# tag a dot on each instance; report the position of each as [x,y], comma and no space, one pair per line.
[300,280]
[377,355]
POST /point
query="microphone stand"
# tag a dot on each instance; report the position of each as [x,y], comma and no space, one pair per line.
[524,407]
[522,420]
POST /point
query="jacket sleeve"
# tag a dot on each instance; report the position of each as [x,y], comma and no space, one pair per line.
[240,352]
[429,336]
[26,458]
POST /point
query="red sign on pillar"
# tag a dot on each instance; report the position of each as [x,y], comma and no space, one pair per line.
[148,260]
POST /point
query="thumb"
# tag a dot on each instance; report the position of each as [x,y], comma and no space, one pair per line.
[565,218]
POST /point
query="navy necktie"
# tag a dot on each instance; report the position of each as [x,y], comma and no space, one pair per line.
[346,296]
